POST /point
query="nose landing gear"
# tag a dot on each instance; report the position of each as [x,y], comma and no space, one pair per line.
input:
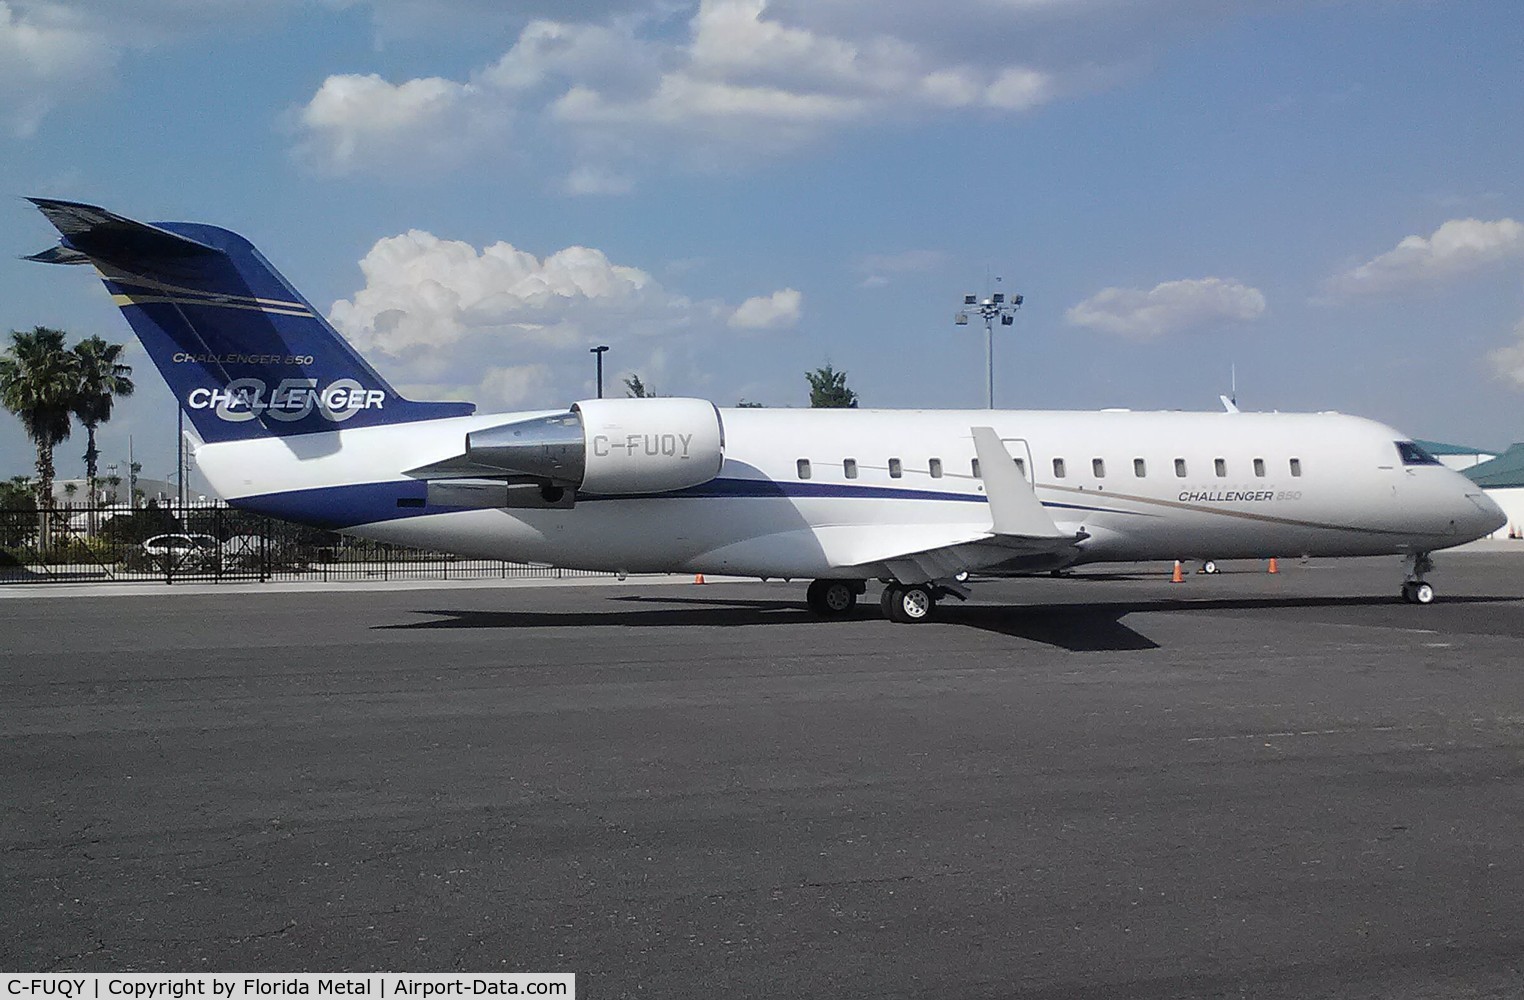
[1416,590]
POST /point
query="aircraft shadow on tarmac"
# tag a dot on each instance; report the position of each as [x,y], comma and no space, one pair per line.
[1092,627]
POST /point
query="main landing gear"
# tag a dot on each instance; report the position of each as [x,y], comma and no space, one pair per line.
[1415,590]
[917,602]
[907,605]
[834,598]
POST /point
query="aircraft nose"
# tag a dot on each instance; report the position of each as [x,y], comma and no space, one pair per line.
[1485,516]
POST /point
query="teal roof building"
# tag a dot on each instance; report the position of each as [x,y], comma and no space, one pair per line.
[1501,473]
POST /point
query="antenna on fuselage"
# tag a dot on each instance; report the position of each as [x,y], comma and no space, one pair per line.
[1230,402]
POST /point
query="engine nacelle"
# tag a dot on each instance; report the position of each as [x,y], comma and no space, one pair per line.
[610,446]
[649,445]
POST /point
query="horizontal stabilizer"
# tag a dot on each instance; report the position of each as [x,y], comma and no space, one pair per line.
[59,255]
[100,234]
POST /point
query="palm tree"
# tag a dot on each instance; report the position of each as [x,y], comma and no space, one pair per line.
[38,382]
[102,378]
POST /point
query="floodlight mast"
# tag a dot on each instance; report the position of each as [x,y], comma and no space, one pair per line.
[990,308]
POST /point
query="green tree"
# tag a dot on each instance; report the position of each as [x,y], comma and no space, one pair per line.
[636,389]
[744,405]
[18,514]
[828,389]
[102,378]
[16,493]
[39,378]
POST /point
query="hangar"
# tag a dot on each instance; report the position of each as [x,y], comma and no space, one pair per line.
[1459,457]
[1503,479]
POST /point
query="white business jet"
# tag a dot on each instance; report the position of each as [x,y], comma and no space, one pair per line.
[295,424]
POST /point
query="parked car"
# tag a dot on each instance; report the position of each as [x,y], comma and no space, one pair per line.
[182,551]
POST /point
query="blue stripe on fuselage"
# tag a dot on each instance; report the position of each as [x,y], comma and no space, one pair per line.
[337,507]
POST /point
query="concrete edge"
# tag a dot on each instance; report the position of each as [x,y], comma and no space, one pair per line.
[151,588]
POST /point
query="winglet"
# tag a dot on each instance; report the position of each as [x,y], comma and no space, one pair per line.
[1014,508]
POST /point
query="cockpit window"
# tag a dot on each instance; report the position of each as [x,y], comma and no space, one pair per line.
[1412,454]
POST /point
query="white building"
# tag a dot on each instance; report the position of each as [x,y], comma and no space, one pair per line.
[79,495]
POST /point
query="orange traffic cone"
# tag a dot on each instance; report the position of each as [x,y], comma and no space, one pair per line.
[1273,567]
[698,578]
[1179,576]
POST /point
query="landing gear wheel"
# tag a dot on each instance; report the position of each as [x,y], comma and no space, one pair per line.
[908,604]
[831,598]
[1418,593]
[1414,588]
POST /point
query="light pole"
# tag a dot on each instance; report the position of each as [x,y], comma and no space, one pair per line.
[991,307]
[599,351]
[180,458]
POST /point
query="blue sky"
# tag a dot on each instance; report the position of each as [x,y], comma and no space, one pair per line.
[731,192]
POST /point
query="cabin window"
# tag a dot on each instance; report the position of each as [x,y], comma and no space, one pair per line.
[1259,467]
[1180,467]
[934,466]
[804,468]
[1221,465]
[1058,468]
[974,468]
[1296,466]
[895,471]
[1139,468]
[849,467]
[1098,467]
[1021,466]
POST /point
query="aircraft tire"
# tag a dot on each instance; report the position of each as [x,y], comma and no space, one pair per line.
[913,604]
[831,598]
[1418,593]
[889,601]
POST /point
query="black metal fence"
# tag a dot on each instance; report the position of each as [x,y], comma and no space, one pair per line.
[203,543]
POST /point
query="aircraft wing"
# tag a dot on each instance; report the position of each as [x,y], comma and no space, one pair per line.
[1019,528]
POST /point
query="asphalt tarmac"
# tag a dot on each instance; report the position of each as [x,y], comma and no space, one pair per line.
[1108,785]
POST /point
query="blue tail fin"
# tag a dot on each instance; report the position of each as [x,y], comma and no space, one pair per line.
[242,351]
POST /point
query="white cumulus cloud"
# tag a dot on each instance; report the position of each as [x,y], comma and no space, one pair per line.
[510,329]
[745,77]
[47,55]
[768,312]
[1509,361]
[355,121]
[1458,247]
[1169,307]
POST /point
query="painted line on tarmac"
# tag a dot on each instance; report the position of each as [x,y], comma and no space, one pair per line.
[1300,732]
